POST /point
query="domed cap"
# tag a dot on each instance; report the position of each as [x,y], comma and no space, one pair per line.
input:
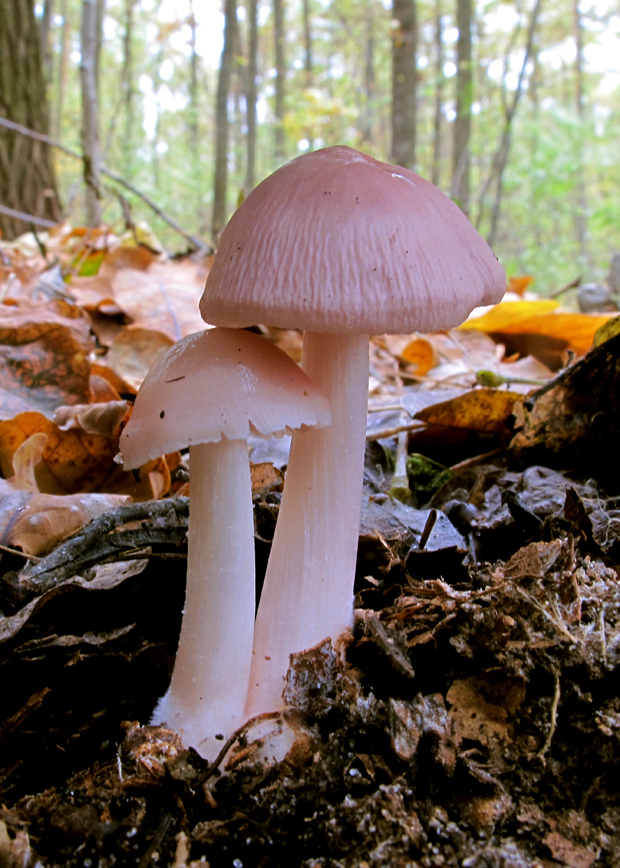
[335,241]
[221,382]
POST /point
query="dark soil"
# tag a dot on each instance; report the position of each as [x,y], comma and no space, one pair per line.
[472,717]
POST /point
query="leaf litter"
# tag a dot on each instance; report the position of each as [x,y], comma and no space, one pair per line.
[471,717]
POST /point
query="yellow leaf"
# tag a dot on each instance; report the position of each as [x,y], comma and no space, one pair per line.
[509,315]
[476,410]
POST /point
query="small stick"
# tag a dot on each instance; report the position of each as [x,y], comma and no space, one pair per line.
[259,718]
[553,716]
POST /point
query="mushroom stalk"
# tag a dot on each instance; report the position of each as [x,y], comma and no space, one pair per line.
[212,667]
[308,590]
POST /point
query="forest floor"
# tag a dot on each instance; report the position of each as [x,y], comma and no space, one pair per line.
[470,718]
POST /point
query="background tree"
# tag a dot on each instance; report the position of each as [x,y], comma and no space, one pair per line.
[404,83]
[220,187]
[461,153]
[280,69]
[27,178]
[90,47]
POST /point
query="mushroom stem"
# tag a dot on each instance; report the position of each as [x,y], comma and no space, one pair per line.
[308,590]
[209,683]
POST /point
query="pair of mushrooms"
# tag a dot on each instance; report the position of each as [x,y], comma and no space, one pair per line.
[341,246]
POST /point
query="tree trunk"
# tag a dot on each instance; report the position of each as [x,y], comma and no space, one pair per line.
[581,223]
[64,50]
[370,80]
[251,94]
[404,82]
[89,64]
[308,60]
[127,89]
[500,158]
[221,118]
[279,36]
[464,92]
[438,109]
[27,180]
[46,54]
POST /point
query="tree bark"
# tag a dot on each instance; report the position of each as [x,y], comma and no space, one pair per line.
[438,108]
[279,36]
[464,93]
[220,186]
[500,158]
[581,223]
[251,94]
[27,179]
[404,82]
[127,88]
[370,79]
[89,65]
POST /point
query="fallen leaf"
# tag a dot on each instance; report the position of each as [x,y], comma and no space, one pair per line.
[72,461]
[567,853]
[477,410]
[421,355]
[134,352]
[163,298]
[43,357]
[37,523]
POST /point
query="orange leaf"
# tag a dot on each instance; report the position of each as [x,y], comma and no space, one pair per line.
[421,354]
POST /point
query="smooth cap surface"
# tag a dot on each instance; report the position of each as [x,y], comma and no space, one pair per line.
[335,241]
[221,382]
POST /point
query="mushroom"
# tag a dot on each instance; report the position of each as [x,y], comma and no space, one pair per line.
[342,246]
[210,391]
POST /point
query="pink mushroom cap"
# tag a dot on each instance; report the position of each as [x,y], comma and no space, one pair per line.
[336,241]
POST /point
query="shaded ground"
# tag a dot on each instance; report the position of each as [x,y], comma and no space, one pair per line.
[471,718]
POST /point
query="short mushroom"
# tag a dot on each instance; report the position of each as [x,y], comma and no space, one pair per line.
[342,246]
[210,391]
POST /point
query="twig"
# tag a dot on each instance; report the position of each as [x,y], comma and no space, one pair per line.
[553,722]
[28,218]
[391,432]
[559,626]
[92,546]
[158,837]
[211,769]
[41,137]
[19,554]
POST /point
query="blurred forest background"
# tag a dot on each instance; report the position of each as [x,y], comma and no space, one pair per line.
[513,108]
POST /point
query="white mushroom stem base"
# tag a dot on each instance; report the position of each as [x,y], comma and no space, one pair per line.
[209,683]
[308,590]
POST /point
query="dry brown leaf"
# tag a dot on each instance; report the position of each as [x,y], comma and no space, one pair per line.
[103,418]
[163,298]
[72,461]
[37,523]
[475,718]
[25,460]
[567,853]
[266,477]
[96,293]
[134,352]
[43,357]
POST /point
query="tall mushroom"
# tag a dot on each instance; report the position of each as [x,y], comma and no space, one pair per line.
[210,391]
[342,246]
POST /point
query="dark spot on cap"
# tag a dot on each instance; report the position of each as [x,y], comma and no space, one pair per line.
[162,414]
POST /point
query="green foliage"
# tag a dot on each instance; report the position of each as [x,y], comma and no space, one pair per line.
[157,114]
